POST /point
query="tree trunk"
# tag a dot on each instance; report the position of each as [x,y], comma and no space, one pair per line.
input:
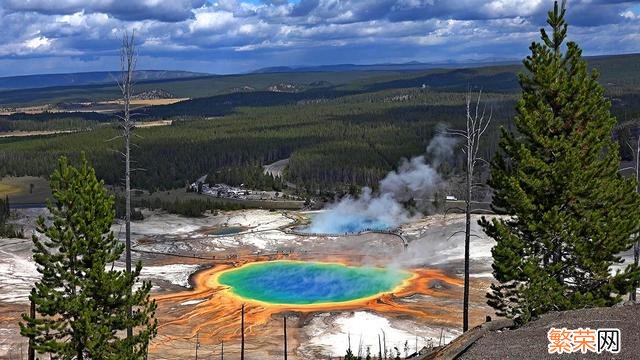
[384,344]
[477,124]
[127,210]
[127,65]
[32,313]
[636,257]
[467,243]
[636,246]
[242,334]
[285,337]
[127,186]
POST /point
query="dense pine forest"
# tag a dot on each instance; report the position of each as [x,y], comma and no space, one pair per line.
[317,135]
[337,136]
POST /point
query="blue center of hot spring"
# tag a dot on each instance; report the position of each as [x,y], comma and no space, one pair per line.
[324,223]
[361,225]
[305,283]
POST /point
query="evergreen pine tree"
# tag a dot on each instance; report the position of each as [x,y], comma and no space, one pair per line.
[81,301]
[350,356]
[571,212]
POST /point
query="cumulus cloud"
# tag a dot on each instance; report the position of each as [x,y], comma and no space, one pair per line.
[240,35]
[211,20]
[628,14]
[174,10]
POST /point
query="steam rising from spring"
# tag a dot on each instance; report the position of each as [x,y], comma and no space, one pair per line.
[414,178]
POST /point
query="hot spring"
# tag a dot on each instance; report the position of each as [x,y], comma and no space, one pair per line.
[309,283]
[326,223]
[225,230]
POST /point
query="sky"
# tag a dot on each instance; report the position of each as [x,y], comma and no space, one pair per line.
[235,36]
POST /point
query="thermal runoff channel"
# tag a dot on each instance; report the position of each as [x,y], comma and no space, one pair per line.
[306,283]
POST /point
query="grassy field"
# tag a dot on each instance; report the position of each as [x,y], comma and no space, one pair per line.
[35,133]
[153,102]
[20,190]
[8,189]
[113,106]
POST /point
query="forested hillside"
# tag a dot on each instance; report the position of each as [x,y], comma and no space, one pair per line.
[621,72]
[85,78]
[48,121]
[348,140]
[336,134]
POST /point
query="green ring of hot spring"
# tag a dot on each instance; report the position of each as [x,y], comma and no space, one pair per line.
[307,283]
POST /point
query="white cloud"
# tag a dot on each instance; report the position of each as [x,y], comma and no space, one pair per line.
[211,20]
[163,10]
[35,46]
[510,8]
[239,33]
[37,42]
[630,15]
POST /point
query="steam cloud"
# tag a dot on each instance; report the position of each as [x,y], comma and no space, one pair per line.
[414,178]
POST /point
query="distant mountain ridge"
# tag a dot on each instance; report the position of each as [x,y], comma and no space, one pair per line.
[416,65]
[407,66]
[88,78]
[621,72]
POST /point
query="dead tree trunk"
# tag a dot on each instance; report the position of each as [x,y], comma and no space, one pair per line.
[384,344]
[476,125]
[197,343]
[636,246]
[127,66]
[32,313]
[467,244]
[285,337]
[242,333]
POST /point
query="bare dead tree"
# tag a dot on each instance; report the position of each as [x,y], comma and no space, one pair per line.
[197,343]
[125,83]
[636,246]
[635,150]
[384,344]
[477,123]
[242,334]
[31,355]
[285,336]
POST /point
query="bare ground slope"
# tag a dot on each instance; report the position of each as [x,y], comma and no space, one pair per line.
[530,341]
